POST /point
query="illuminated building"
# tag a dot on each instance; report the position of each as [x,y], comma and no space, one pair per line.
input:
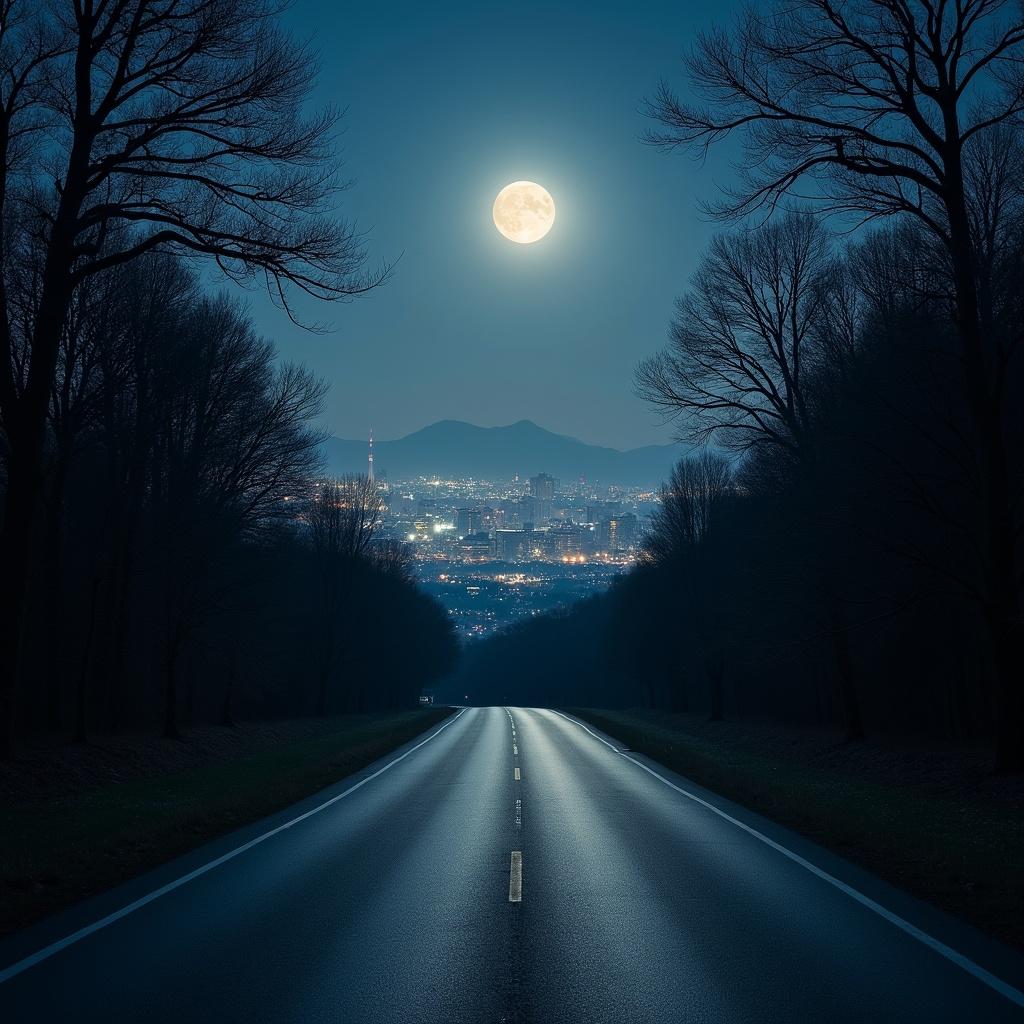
[513,545]
[476,547]
[527,510]
[568,539]
[542,490]
[469,521]
[619,532]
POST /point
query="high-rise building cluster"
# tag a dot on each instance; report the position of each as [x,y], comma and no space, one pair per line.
[477,521]
[494,552]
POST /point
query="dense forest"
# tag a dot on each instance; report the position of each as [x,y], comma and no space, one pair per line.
[168,550]
[193,566]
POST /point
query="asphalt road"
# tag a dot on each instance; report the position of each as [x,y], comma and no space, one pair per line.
[596,887]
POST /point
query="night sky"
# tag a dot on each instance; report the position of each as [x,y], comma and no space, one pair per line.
[446,105]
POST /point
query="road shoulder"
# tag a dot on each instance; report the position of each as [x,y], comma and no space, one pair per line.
[955,842]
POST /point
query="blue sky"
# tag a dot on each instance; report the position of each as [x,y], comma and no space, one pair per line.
[446,104]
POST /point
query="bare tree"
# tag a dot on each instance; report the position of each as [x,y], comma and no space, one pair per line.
[682,532]
[151,302]
[748,352]
[741,343]
[136,126]
[690,504]
[234,447]
[344,516]
[873,107]
[394,558]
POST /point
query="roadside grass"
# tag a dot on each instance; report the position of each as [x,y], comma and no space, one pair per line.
[57,851]
[952,840]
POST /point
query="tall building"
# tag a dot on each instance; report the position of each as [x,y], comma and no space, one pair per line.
[566,540]
[598,511]
[619,533]
[469,521]
[542,490]
[519,545]
[369,459]
[510,544]
[542,486]
[527,510]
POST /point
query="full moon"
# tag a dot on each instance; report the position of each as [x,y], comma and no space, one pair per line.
[524,212]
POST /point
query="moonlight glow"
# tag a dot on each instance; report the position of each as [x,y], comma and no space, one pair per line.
[524,212]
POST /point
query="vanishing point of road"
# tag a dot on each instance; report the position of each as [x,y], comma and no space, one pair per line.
[511,865]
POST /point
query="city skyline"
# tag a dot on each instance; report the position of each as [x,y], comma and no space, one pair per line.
[496,552]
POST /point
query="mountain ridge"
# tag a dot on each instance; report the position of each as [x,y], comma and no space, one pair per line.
[457,449]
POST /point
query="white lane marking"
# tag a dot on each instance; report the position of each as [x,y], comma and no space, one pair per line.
[515,878]
[517,775]
[69,940]
[515,746]
[975,970]
[519,814]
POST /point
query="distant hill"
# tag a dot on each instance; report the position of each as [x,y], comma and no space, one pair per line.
[451,448]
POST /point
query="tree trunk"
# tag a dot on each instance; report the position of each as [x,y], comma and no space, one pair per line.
[327,660]
[226,718]
[16,542]
[190,696]
[680,698]
[82,707]
[170,730]
[25,426]
[853,718]
[1004,612]
[117,637]
[985,400]
[53,593]
[1009,729]
[716,677]
[849,698]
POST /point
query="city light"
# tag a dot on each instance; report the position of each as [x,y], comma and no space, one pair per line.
[496,551]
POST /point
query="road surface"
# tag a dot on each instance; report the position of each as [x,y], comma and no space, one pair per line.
[511,865]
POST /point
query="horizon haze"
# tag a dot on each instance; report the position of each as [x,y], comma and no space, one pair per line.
[459,449]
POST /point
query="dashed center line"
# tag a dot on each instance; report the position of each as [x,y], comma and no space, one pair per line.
[515,873]
[515,878]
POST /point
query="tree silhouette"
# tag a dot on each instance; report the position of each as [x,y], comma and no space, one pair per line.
[742,340]
[344,516]
[146,126]
[874,108]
